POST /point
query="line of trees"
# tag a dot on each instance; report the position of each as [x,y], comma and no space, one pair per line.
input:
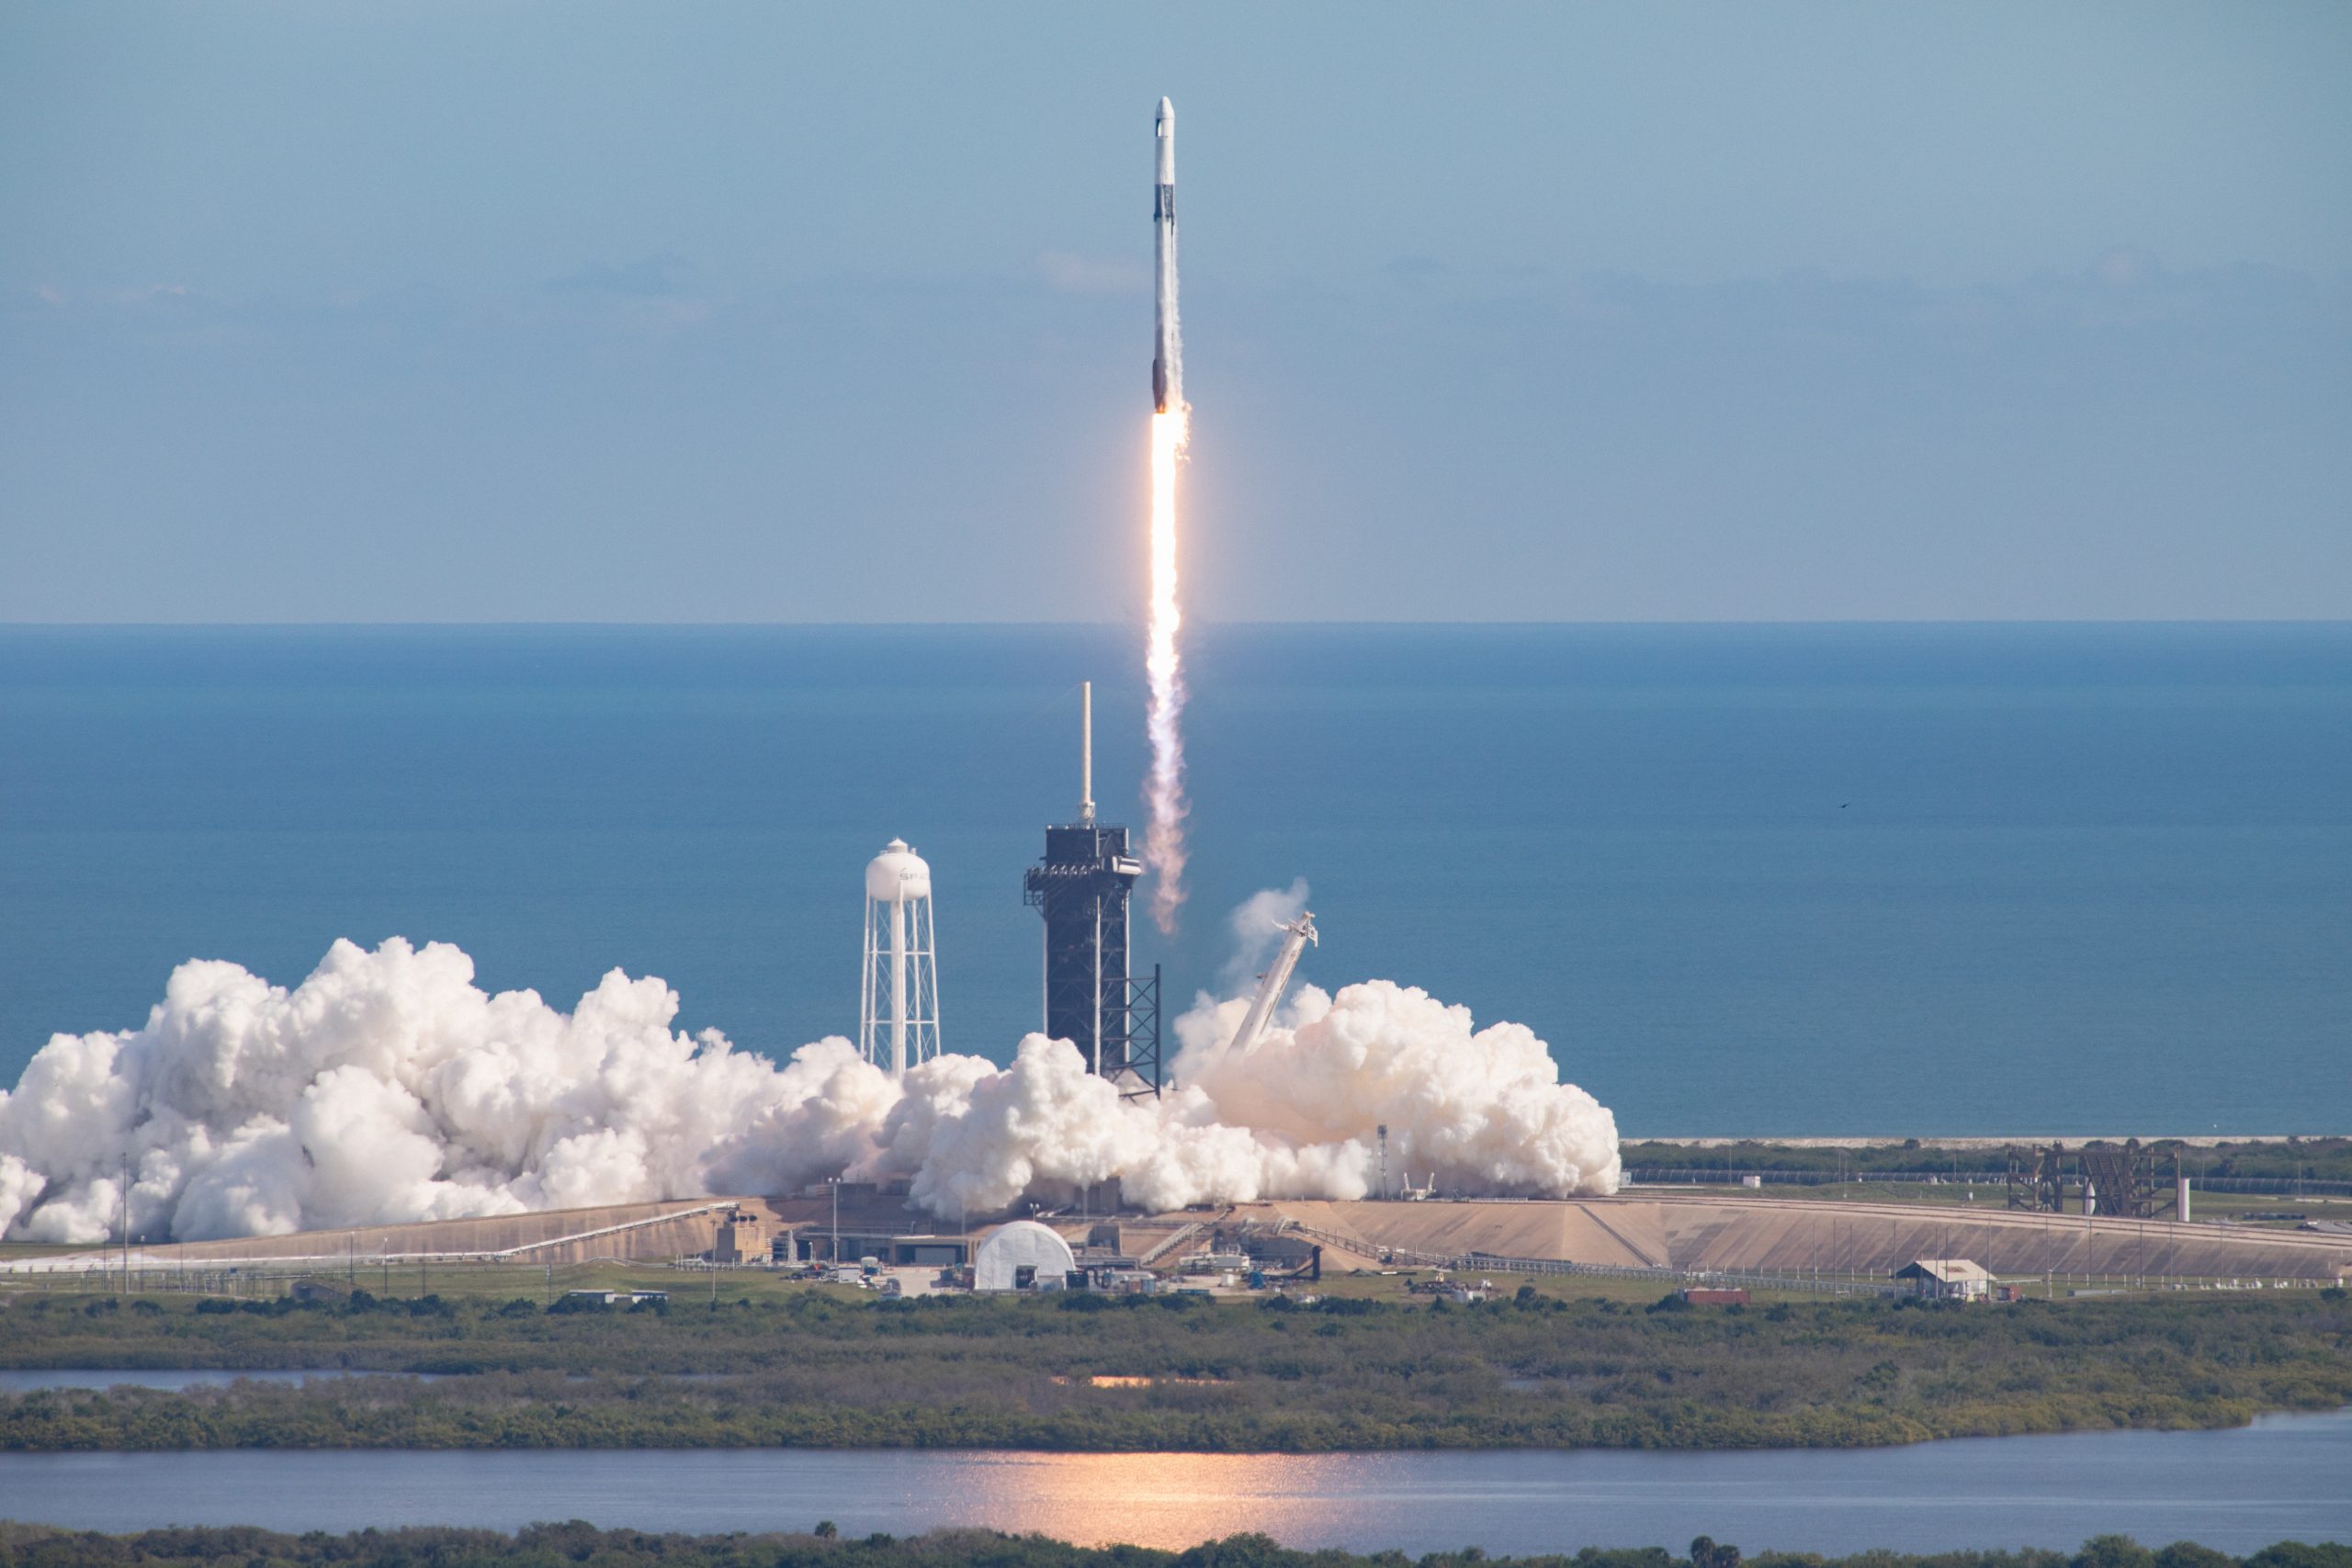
[579,1545]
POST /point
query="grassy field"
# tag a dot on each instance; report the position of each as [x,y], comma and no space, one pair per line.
[691,1284]
[498,1282]
[1981,1197]
[2287,1159]
[798,1365]
[2205,1206]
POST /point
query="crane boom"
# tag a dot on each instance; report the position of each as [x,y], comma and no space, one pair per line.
[1271,985]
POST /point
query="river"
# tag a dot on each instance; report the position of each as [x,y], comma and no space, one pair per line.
[15,1381]
[2284,1477]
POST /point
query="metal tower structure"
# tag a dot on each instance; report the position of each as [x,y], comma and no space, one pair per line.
[2099,1179]
[899,1005]
[1271,984]
[1082,886]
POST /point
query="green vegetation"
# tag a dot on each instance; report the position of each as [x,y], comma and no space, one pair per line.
[2314,1159]
[500,1283]
[497,1284]
[813,1370]
[560,1546]
[2258,1209]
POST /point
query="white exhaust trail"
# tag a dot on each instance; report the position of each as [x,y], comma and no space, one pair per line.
[1163,666]
[1163,660]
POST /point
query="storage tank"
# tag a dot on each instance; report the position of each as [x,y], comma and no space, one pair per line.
[898,1002]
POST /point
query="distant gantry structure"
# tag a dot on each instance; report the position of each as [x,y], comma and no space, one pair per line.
[899,1010]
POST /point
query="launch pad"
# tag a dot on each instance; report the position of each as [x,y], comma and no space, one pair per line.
[1646,1235]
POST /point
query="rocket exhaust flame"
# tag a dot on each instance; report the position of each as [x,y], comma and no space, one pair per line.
[1163,665]
[1163,660]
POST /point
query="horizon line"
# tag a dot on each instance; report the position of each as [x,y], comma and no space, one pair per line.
[7,626]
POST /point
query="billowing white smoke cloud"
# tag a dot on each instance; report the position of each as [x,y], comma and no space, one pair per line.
[1257,925]
[389,1088]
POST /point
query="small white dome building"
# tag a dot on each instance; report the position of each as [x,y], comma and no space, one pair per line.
[1020,1256]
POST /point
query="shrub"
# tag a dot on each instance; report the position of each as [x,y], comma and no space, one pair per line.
[2295,1554]
[2114,1551]
[569,1304]
[1706,1553]
[2189,1554]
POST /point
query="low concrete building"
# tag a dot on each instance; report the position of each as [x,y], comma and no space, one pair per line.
[742,1238]
[1947,1279]
[1116,1275]
[893,1249]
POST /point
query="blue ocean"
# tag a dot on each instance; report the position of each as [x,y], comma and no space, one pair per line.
[1964,880]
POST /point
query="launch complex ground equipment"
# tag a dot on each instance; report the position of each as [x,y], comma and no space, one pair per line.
[2104,1178]
[1275,980]
[1082,888]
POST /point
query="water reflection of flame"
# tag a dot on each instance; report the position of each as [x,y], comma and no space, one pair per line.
[1165,1500]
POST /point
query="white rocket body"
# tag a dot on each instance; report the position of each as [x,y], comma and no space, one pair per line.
[1167,345]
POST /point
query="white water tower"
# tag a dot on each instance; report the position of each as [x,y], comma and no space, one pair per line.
[899,1015]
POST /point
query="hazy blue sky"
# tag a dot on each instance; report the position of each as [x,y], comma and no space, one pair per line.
[754,312]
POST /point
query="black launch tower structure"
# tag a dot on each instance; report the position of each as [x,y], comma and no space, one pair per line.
[1082,888]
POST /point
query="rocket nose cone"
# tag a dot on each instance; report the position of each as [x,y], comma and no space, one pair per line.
[1167,111]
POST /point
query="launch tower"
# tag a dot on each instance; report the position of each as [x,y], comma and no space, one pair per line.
[1082,886]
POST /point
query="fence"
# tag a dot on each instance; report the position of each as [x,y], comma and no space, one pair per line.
[1496,1263]
[2271,1186]
[1722,1176]
[1488,1262]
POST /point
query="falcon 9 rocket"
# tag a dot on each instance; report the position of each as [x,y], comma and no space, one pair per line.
[1167,345]
[1163,657]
